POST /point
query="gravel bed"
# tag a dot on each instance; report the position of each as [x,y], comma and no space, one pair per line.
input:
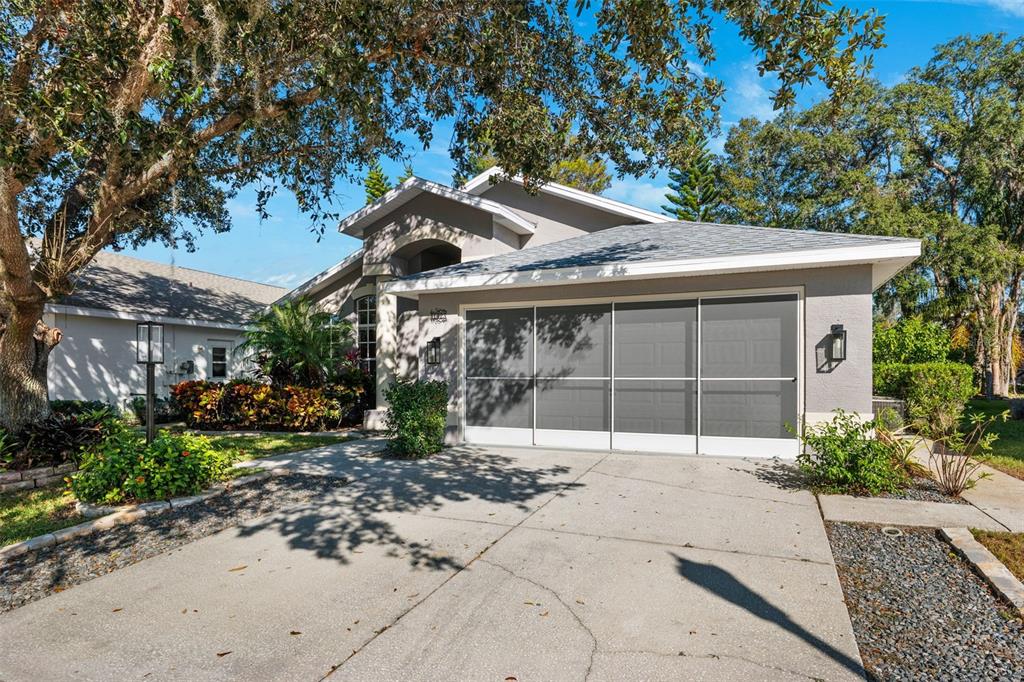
[924,489]
[919,612]
[53,569]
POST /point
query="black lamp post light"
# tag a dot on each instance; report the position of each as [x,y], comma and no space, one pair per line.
[149,351]
[837,349]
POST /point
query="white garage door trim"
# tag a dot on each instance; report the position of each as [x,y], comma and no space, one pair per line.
[639,442]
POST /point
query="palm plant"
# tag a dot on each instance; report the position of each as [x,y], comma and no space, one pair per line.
[296,343]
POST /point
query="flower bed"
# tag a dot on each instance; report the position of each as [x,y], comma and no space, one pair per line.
[244,404]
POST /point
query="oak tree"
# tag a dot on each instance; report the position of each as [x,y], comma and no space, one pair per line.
[125,122]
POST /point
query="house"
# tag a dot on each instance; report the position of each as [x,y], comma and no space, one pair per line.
[203,316]
[566,319]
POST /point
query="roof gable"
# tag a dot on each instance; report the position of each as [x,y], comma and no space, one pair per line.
[412,188]
[482,182]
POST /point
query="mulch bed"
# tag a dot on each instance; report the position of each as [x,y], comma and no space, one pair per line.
[924,489]
[919,612]
[53,569]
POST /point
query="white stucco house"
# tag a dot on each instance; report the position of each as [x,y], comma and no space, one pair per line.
[567,319]
[203,316]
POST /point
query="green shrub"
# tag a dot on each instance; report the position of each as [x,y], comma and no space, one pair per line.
[165,410]
[936,392]
[841,456]
[416,418]
[911,340]
[121,468]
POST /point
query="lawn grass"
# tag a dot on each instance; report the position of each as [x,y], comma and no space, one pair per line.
[1008,450]
[246,447]
[28,513]
[1008,548]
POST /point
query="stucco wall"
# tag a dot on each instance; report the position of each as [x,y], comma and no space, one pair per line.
[96,358]
[840,295]
[556,218]
[429,216]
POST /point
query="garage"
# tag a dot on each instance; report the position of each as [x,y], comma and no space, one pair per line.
[716,374]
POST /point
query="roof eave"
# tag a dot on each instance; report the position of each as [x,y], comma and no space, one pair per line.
[886,259]
[482,182]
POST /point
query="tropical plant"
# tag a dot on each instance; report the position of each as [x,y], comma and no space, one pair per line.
[957,454]
[297,343]
[416,416]
[693,185]
[127,122]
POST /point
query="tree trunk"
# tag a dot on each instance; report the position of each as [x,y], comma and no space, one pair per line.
[25,345]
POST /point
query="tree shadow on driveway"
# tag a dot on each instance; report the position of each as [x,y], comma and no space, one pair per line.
[724,585]
[340,523]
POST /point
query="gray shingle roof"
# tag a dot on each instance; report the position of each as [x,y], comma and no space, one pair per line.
[671,241]
[130,285]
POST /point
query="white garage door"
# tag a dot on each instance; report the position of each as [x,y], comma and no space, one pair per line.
[709,375]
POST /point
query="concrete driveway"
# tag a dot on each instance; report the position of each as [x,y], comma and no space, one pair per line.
[481,564]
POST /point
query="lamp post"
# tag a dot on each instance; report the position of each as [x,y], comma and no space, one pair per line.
[149,351]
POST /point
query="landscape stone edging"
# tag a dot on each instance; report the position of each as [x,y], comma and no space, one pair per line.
[987,565]
[116,516]
[38,477]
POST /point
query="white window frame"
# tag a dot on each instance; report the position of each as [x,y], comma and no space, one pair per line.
[785,448]
[229,349]
[367,363]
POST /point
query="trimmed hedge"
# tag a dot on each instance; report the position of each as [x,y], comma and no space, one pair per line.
[936,392]
[416,417]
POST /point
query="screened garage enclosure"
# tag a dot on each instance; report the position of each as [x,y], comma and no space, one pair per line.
[713,375]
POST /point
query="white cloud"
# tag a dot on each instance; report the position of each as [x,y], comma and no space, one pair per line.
[289,279]
[1014,7]
[638,193]
[748,95]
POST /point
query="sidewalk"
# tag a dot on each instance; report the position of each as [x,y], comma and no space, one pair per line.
[996,503]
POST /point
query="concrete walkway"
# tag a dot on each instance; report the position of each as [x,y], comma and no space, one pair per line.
[482,563]
[996,503]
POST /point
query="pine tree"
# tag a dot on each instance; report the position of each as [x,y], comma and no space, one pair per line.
[406,174]
[377,183]
[693,188]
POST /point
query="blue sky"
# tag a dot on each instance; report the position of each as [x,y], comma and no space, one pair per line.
[283,251]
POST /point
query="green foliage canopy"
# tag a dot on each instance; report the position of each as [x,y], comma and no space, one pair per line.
[912,339]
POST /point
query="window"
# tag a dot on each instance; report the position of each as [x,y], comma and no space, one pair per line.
[366,329]
[218,362]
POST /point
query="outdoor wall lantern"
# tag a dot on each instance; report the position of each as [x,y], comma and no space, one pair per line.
[434,351]
[838,348]
[149,351]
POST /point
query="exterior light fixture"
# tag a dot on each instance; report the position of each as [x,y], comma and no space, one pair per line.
[149,351]
[434,351]
[837,349]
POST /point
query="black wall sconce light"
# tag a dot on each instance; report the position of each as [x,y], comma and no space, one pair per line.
[837,350]
[434,351]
